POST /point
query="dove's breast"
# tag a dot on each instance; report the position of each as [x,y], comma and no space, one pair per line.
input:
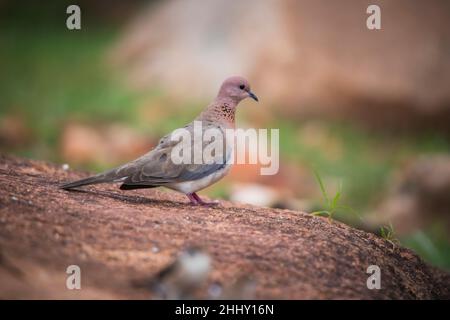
[195,185]
[199,184]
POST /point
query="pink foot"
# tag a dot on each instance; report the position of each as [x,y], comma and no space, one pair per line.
[196,200]
[192,199]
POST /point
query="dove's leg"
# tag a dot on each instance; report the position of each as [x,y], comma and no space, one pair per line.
[201,202]
[192,198]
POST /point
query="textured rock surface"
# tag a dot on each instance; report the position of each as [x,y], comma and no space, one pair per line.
[112,236]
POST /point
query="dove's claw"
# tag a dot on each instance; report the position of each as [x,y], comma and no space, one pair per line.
[197,201]
[209,204]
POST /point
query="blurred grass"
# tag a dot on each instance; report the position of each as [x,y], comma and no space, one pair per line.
[366,159]
[59,75]
[51,75]
[431,244]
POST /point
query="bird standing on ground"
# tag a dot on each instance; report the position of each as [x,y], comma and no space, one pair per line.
[157,169]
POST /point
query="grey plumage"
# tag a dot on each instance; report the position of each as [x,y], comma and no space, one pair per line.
[156,168]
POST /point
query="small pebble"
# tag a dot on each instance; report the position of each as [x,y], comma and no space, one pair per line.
[155,249]
[65,167]
[14,198]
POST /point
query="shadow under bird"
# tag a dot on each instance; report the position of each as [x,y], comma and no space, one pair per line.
[156,168]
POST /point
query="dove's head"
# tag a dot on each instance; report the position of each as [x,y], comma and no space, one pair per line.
[236,88]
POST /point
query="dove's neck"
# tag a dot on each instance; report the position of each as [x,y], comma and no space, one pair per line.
[221,110]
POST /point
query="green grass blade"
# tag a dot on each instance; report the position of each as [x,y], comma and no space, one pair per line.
[336,197]
[322,188]
[323,212]
[383,233]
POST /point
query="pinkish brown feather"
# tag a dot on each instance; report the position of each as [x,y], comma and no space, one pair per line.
[223,108]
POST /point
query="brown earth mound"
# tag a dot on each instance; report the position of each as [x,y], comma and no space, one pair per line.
[120,238]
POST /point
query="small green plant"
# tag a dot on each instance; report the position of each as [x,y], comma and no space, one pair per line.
[331,204]
[387,232]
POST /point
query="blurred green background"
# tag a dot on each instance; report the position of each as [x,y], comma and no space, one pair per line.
[102,95]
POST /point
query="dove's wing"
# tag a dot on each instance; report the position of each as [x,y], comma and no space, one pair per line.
[156,168]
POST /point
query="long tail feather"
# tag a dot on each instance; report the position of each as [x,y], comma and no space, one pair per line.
[84,182]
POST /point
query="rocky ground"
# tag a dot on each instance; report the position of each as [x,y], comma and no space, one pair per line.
[122,239]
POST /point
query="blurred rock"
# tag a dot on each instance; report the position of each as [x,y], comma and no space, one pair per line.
[81,143]
[189,46]
[419,195]
[186,274]
[242,288]
[291,181]
[266,196]
[13,132]
[255,194]
[307,58]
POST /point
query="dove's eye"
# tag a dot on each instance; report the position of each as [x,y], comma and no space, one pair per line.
[242,87]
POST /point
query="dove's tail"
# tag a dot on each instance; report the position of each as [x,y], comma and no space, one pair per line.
[109,176]
[82,182]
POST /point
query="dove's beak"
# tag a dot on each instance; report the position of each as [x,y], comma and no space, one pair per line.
[253,96]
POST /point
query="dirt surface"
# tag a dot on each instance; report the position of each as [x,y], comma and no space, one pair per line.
[119,238]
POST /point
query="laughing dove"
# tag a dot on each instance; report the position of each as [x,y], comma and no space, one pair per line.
[157,168]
